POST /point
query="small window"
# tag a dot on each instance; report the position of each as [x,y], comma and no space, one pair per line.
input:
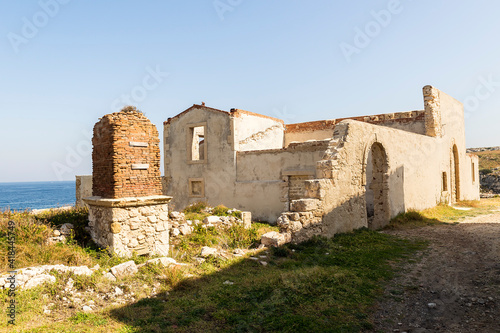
[473,167]
[445,182]
[197,146]
[196,187]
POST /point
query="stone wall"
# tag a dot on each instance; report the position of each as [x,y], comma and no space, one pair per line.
[130,226]
[126,156]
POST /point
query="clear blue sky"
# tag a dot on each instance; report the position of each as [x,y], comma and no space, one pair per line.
[63,66]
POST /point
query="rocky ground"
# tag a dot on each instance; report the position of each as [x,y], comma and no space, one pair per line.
[454,286]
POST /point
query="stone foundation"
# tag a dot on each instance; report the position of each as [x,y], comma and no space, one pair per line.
[130,225]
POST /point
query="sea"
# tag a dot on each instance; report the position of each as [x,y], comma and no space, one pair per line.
[36,195]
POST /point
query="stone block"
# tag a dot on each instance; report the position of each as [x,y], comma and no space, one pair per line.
[66,229]
[212,219]
[39,279]
[164,261]
[177,216]
[116,227]
[274,238]
[160,226]
[304,205]
[246,217]
[185,229]
[124,269]
[208,251]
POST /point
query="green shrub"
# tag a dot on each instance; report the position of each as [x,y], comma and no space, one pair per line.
[197,207]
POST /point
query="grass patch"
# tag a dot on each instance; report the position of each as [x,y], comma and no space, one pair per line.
[411,219]
[444,214]
[322,285]
[488,159]
[223,237]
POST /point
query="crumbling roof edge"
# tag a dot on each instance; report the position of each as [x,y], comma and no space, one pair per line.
[195,106]
[237,112]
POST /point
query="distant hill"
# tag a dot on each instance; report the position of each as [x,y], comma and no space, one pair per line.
[489,168]
[489,158]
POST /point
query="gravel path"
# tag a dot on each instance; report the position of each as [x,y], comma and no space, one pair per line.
[453,286]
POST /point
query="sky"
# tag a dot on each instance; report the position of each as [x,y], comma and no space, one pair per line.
[66,63]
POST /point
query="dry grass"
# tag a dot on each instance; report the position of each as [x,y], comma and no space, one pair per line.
[444,214]
[31,246]
[489,159]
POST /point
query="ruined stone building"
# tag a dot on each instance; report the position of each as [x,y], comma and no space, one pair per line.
[321,177]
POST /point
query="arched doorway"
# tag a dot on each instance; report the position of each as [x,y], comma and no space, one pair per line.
[455,175]
[377,187]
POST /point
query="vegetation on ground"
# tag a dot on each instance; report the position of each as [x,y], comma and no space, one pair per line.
[326,285]
[200,210]
[444,213]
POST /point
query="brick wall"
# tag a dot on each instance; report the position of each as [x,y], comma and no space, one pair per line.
[126,156]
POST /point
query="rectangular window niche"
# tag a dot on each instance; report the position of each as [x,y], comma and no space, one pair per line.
[196,187]
[197,143]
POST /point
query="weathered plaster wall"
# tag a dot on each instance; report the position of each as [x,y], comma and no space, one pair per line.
[410,121]
[417,173]
[217,171]
[263,177]
[83,189]
[313,130]
[471,188]
[256,132]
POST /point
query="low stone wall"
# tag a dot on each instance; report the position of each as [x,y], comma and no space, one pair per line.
[130,225]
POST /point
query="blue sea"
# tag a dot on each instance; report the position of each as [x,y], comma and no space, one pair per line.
[36,195]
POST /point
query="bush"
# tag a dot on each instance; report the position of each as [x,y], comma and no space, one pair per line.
[197,207]
[485,171]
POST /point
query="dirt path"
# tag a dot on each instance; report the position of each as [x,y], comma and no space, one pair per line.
[454,286]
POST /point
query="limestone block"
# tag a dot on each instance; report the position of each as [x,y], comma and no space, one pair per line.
[161,249]
[146,211]
[208,251]
[163,216]
[164,261]
[160,226]
[175,232]
[185,229]
[274,238]
[304,205]
[177,216]
[246,217]
[211,219]
[124,269]
[163,237]
[152,219]
[66,229]
[39,279]
[133,243]
[120,215]
[283,221]
[134,225]
[116,227]
[296,226]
